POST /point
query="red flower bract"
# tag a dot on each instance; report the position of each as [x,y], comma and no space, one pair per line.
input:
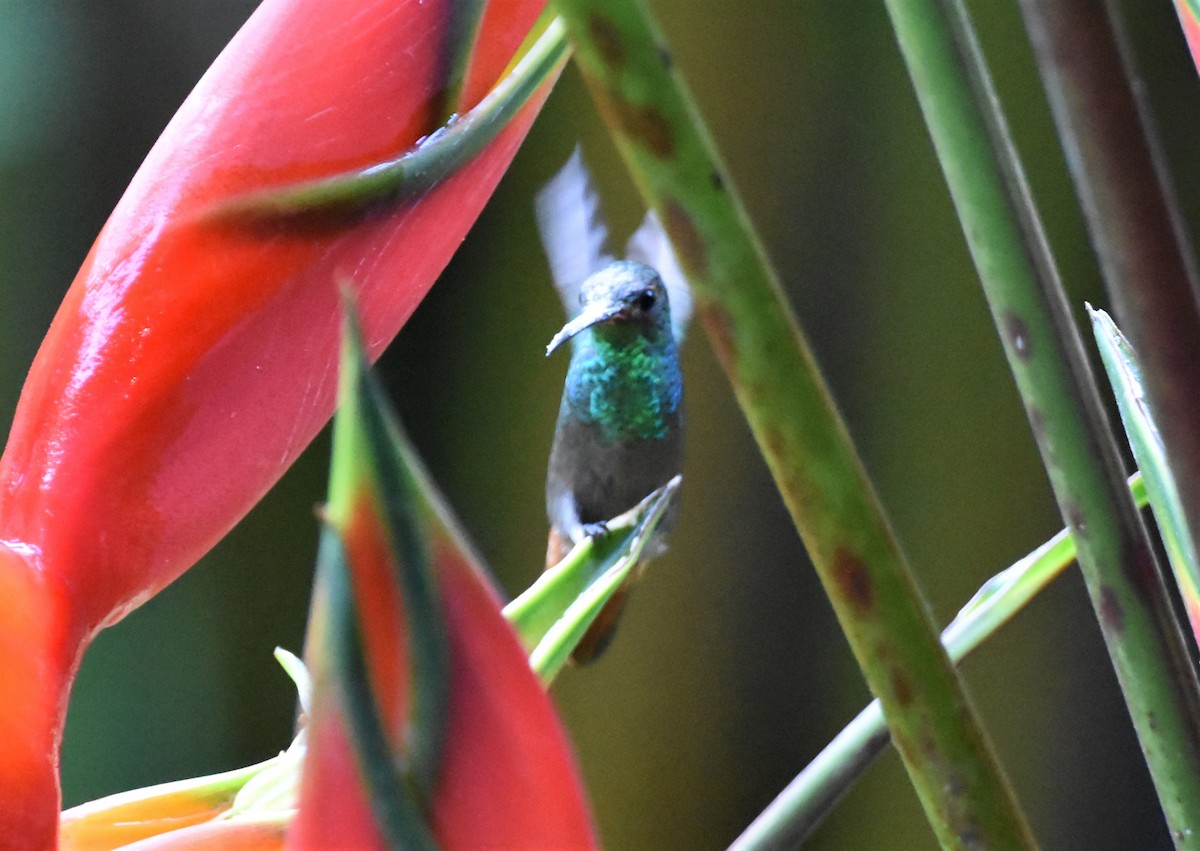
[1189,18]
[194,356]
[428,726]
[502,788]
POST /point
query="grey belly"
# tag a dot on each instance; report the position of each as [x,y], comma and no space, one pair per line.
[607,479]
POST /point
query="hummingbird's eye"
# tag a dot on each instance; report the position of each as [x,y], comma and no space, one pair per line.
[645,300]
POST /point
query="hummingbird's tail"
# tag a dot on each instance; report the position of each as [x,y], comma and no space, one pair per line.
[600,634]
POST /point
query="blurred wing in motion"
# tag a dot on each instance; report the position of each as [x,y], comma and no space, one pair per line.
[571,228]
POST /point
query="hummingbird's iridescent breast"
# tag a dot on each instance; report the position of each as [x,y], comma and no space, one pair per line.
[628,385]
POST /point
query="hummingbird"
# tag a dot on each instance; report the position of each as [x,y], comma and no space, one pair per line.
[619,434]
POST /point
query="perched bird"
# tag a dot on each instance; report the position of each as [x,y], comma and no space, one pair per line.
[620,425]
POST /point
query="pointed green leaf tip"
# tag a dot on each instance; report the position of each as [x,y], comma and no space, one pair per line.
[1125,375]
[378,636]
[403,747]
[364,442]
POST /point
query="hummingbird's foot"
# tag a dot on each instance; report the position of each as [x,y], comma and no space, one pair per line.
[595,530]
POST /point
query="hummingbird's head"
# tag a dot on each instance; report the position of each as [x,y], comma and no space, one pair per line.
[624,296]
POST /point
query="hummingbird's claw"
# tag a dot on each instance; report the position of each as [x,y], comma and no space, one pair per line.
[595,530]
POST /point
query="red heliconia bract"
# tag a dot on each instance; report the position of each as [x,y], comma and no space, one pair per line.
[194,357]
[508,780]
[1189,19]
[461,747]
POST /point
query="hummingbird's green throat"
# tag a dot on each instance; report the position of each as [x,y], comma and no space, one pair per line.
[628,385]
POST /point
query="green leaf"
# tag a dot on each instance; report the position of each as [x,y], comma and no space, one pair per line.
[554,613]
[1125,375]
[378,639]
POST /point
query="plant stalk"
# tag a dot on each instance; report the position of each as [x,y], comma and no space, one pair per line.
[1046,355]
[783,396]
[1120,176]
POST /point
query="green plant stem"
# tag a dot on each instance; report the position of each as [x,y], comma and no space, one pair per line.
[1120,175]
[816,790]
[434,157]
[1046,355]
[797,427]
[804,803]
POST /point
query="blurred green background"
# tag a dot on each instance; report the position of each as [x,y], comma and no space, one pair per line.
[729,672]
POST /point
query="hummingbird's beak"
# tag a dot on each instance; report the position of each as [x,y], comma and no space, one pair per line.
[591,315]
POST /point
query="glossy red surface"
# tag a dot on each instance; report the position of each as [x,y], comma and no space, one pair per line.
[193,359]
[509,778]
[1189,17]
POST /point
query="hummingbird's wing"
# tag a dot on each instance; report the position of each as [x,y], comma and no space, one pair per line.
[571,228]
[649,245]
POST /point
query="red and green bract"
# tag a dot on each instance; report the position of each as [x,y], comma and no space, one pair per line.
[1189,17]
[194,356]
[395,585]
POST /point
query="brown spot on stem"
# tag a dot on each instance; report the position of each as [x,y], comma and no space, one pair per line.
[1143,571]
[905,746]
[901,688]
[719,326]
[1076,519]
[685,238]
[929,751]
[646,126]
[1112,615]
[853,580]
[718,182]
[970,837]
[664,56]
[1016,332]
[955,783]
[773,438]
[607,39]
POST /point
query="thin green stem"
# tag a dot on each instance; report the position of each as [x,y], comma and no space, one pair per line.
[1045,353]
[800,433]
[812,795]
[1121,178]
[434,157]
